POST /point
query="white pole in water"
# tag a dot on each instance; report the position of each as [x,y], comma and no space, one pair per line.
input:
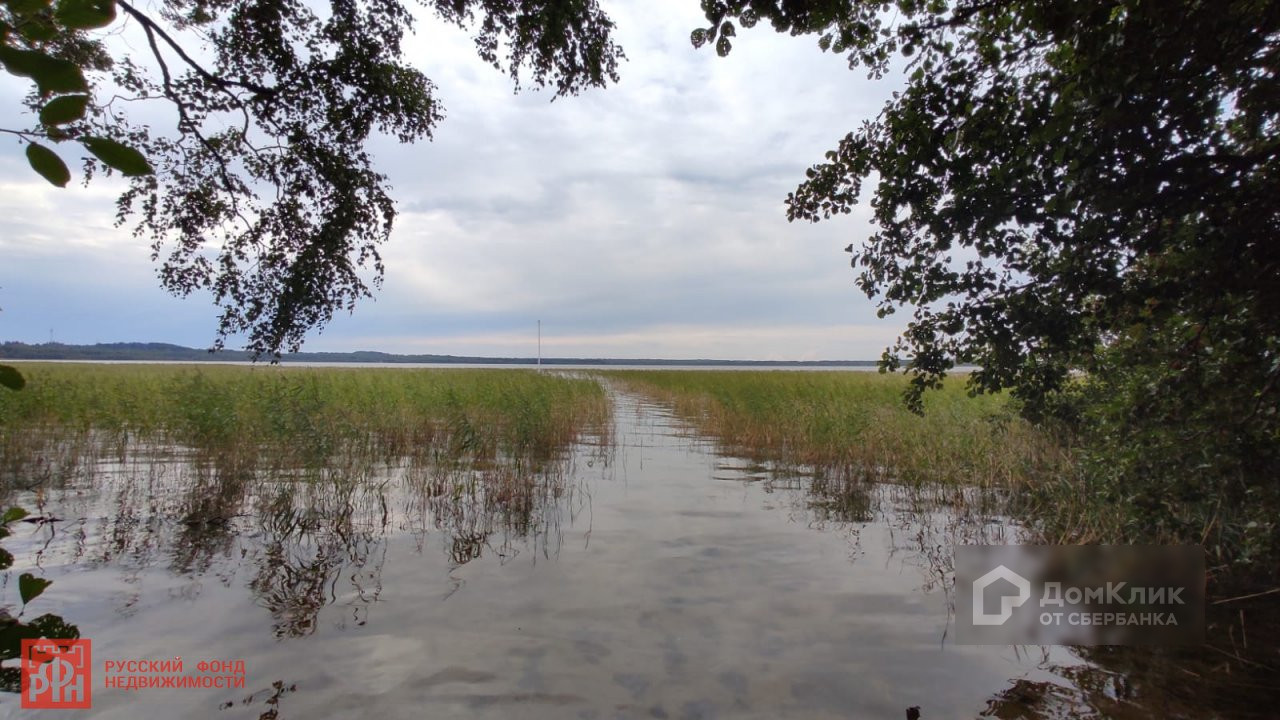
[539,346]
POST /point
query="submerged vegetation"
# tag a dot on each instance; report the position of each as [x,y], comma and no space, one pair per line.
[304,470]
[485,453]
[850,428]
[853,427]
[292,482]
[250,420]
[1121,479]
[301,473]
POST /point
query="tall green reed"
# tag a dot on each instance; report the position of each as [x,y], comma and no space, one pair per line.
[281,418]
[853,427]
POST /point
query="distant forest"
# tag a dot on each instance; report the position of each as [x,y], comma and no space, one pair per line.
[176,353]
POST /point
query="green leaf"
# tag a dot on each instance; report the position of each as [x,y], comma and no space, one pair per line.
[51,74]
[54,627]
[26,7]
[38,29]
[12,633]
[30,587]
[128,161]
[12,514]
[11,378]
[85,14]
[6,559]
[48,164]
[65,109]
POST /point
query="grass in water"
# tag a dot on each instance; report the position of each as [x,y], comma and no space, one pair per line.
[853,427]
[265,418]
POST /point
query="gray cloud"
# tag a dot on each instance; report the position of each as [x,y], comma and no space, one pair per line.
[635,214]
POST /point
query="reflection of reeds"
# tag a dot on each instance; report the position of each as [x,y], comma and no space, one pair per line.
[303,471]
[847,443]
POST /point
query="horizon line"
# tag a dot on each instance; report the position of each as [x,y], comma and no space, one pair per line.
[160,347]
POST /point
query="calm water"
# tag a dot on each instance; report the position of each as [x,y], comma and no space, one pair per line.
[658,579]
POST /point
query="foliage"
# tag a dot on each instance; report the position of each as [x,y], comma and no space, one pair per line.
[264,194]
[1077,188]
[1185,456]
[45,42]
[11,378]
[1053,172]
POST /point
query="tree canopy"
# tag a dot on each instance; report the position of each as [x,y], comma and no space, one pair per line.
[263,192]
[1066,189]
[1053,172]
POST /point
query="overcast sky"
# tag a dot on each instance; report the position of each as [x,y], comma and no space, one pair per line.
[642,220]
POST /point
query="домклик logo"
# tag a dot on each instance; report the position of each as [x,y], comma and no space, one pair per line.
[1007,602]
[1079,595]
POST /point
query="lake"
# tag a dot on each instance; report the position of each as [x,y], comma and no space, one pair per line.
[653,576]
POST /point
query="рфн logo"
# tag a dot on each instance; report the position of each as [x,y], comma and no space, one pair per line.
[1007,602]
[56,674]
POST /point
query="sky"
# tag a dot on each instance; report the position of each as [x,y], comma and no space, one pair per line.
[645,219]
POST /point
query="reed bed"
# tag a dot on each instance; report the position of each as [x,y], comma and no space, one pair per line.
[852,427]
[286,419]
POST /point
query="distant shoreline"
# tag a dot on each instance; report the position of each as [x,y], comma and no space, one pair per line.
[165,352]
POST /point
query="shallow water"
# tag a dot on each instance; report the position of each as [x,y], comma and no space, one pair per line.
[665,581]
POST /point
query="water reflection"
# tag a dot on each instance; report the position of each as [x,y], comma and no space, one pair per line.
[306,544]
[270,697]
[640,576]
[299,540]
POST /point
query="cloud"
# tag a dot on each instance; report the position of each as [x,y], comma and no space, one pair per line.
[786,342]
[646,218]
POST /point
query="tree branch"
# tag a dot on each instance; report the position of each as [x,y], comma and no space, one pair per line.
[24,134]
[183,118]
[151,27]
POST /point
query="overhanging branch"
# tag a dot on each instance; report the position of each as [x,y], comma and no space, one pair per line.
[151,27]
